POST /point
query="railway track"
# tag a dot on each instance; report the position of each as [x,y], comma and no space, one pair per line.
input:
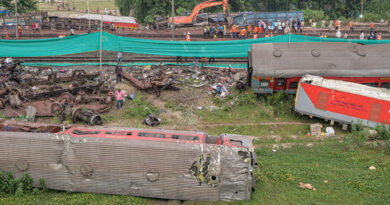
[132,59]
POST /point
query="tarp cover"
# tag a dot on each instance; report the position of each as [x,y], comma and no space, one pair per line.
[91,42]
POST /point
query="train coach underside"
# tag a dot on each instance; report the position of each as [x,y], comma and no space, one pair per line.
[180,171]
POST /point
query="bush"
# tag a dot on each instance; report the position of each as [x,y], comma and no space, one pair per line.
[248,98]
[357,138]
[315,15]
[140,107]
[11,185]
[388,145]
[374,17]
[383,132]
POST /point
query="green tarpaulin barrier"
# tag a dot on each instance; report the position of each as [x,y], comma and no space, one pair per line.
[91,42]
[236,66]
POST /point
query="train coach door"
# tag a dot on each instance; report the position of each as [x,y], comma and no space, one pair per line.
[280,84]
[375,112]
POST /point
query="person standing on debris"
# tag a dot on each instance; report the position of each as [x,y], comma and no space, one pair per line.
[351,26]
[314,27]
[71,31]
[361,35]
[119,58]
[346,35]
[224,29]
[336,24]
[242,33]
[119,98]
[20,31]
[249,29]
[188,37]
[220,31]
[233,31]
[371,27]
[379,36]
[338,34]
[118,72]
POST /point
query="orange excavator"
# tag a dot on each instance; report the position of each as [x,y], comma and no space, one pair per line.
[194,14]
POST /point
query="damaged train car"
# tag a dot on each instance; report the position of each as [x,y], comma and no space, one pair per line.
[179,165]
[343,102]
[280,66]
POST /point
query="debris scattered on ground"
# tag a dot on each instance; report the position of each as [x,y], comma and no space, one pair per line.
[158,77]
[330,132]
[306,186]
[46,92]
[325,181]
[152,120]
[315,130]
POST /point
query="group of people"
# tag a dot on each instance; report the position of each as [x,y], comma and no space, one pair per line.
[371,36]
[214,32]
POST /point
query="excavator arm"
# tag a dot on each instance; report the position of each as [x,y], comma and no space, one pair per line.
[195,12]
[207,4]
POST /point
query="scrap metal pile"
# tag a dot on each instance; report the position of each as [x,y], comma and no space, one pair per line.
[157,78]
[43,92]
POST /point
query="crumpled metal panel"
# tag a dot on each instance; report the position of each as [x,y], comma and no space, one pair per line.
[180,171]
[321,58]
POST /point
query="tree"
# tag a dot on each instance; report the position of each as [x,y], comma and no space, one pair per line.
[24,6]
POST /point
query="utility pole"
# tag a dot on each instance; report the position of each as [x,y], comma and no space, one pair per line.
[173,20]
[101,42]
[16,15]
[89,18]
[361,12]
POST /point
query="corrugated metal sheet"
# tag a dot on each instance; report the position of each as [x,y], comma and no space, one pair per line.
[180,171]
[322,59]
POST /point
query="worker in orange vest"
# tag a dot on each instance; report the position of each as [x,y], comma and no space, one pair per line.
[188,37]
[351,26]
[256,30]
[242,33]
[233,31]
[249,28]
[371,26]
[260,29]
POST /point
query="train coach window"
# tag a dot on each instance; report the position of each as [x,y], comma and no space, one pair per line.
[293,85]
[280,82]
[119,133]
[264,83]
[154,135]
[185,137]
[386,85]
[371,84]
[80,132]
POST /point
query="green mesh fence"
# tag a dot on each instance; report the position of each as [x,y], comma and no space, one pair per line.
[91,42]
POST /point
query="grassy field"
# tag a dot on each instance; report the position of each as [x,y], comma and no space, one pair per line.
[286,154]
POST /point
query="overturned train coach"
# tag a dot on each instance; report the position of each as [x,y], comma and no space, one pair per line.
[343,102]
[279,66]
[164,164]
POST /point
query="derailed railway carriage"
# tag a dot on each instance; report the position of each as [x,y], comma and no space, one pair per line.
[280,66]
[343,102]
[162,164]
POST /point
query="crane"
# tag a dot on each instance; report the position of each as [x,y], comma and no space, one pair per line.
[194,14]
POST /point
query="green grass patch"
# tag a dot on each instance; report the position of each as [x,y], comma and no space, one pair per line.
[54,198]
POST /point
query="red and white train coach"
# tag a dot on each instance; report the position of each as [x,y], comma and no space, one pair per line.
[279,66]
[343,102]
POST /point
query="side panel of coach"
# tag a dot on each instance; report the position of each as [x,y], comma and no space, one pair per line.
[340,106]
